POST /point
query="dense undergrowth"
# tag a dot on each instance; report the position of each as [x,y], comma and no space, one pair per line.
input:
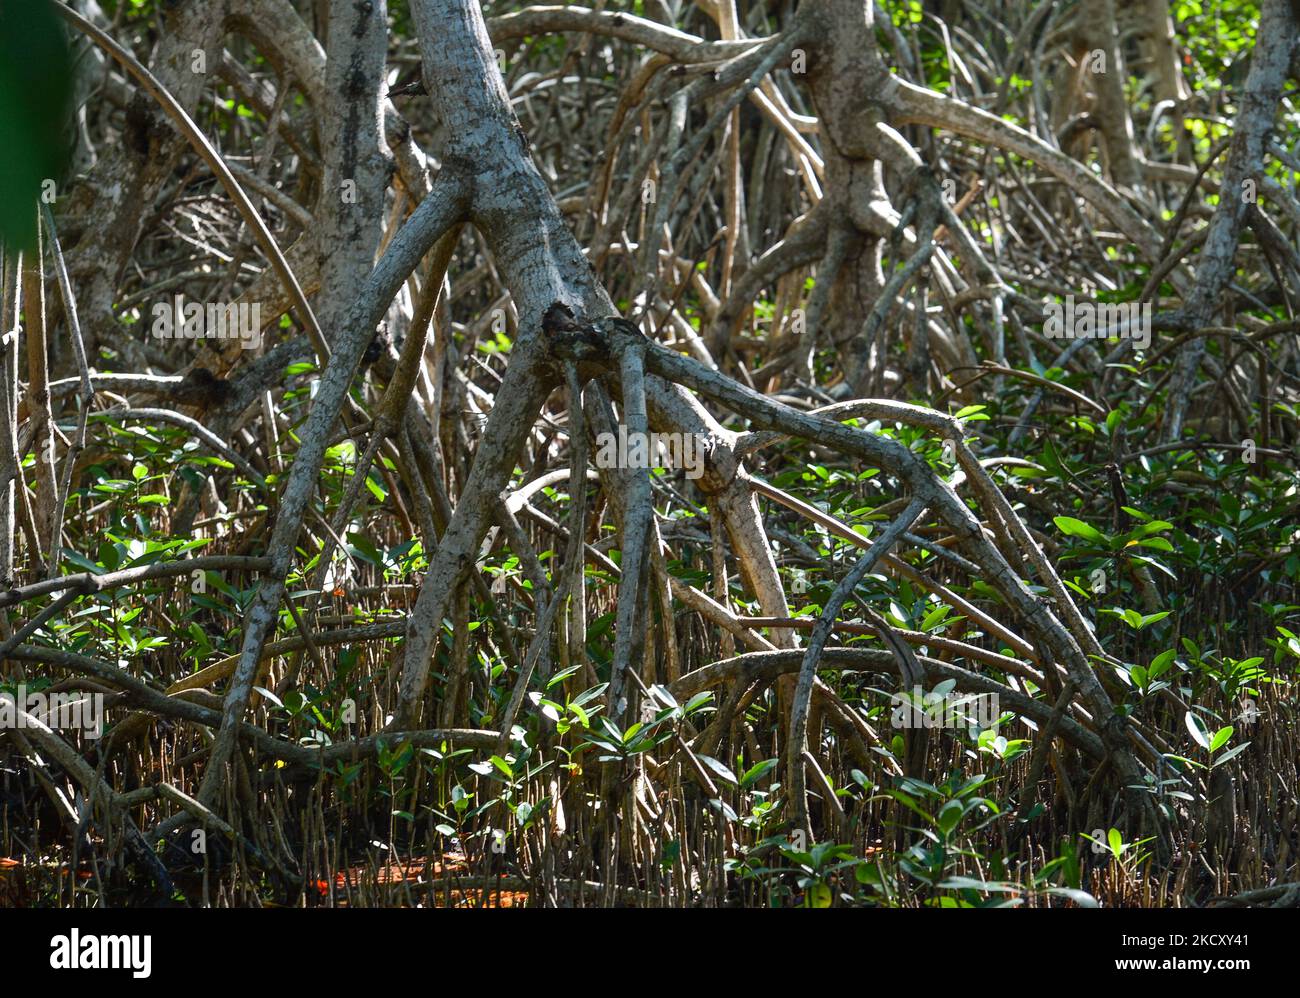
[522,787]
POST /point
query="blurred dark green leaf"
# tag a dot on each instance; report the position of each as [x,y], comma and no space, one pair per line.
[35,100]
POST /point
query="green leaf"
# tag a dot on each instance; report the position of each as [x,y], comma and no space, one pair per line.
[1082,898]
[756,773]
[1197,727]
[1232,753]
[1071,527]
[972,884]
[1220,738]
[719,768]
[697,701]
[818,896]
[935,617]
[379,494]
[1161,663]
[82,562]
[949,816]
[561,676]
